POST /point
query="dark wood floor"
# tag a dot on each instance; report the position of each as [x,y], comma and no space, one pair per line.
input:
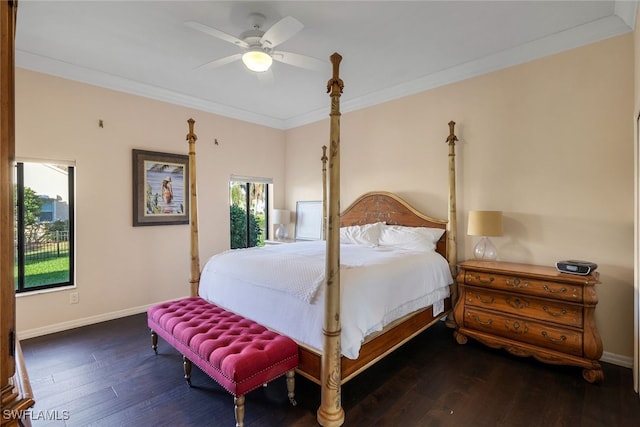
[107,375]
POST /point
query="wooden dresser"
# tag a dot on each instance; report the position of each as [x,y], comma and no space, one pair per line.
[530,311]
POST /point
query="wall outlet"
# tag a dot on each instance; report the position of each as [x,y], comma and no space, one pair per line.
[73,298]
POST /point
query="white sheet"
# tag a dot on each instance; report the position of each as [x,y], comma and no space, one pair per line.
[378,286]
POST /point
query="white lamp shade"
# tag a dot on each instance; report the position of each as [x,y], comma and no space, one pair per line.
[281,216]
[485,223]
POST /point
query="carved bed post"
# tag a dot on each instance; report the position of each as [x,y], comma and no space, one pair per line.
[324,191]
[330,412]
[452,225]
[193,209]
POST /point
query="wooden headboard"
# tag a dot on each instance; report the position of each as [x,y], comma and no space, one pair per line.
[381,206]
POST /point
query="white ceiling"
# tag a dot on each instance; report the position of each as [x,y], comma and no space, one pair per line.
[390,48]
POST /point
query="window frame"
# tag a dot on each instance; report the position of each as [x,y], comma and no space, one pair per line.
[246,183]
[20,288]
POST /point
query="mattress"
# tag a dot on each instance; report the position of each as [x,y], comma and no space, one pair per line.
[281,287]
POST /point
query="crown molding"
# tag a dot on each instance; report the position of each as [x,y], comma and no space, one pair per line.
[592,32]
[627,10]
[93,77]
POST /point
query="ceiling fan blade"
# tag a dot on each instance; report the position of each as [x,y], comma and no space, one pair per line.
[302,61]
[219,62]
[281,31]
[216,33]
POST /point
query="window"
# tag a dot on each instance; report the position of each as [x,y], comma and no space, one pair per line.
[44,226]
[249,201]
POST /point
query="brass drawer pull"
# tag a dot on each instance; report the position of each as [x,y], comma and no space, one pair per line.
[482,279]
[548,289]
[563,312]
[546,335]
[477,319]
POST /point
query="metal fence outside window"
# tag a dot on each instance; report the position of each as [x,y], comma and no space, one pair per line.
[56,245]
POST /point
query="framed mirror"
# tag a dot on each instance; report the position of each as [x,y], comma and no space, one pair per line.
[308,220]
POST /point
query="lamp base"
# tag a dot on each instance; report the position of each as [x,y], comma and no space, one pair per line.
[485,250]
[281,232]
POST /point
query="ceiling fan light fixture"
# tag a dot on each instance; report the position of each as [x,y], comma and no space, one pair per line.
[257,60]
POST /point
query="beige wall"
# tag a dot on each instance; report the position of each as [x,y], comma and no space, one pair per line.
[548,142]
[122,269]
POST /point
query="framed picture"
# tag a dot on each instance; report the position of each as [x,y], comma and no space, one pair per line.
[309,220]
[160,188]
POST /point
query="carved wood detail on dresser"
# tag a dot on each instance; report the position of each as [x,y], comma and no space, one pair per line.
[530,310]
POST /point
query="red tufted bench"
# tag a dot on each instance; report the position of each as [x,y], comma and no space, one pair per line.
[239,354]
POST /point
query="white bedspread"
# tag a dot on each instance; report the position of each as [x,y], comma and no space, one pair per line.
[279,286]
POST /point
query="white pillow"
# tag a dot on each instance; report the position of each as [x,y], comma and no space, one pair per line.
[410,238]
[367,234]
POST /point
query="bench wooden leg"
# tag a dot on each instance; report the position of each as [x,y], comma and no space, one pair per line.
[187,369]
[154,341]
[239,410]
[291,386]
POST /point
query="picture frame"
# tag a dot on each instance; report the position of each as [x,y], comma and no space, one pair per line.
[160,188]
[308,220]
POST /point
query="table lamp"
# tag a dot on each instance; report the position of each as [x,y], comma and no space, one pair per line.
[485,223]
[281,217]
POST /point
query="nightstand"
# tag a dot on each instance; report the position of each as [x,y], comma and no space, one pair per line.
[530,311]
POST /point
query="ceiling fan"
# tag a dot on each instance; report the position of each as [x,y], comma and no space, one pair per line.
[259,46]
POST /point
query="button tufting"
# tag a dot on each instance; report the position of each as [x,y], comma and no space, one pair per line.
[238,353]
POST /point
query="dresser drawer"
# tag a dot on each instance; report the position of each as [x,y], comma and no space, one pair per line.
[523,285]
[524,305]
[524,330]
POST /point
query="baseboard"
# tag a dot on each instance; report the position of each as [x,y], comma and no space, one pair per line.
[85,321]
[617,359]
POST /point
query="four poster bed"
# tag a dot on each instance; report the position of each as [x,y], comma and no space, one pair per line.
[408,249]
